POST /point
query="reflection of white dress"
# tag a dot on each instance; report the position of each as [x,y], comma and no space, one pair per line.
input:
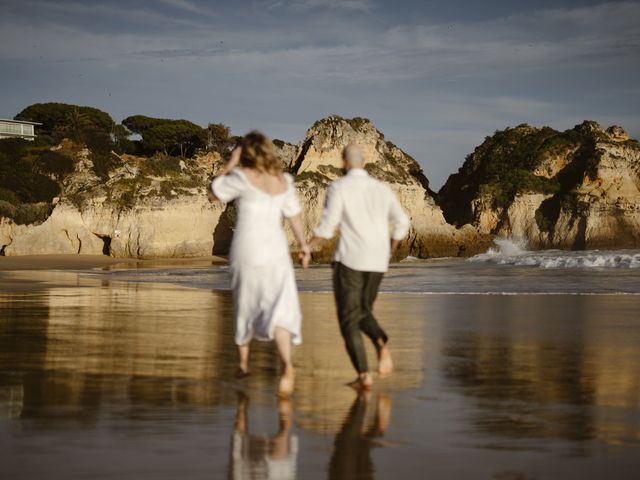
[262,277]
[250,459]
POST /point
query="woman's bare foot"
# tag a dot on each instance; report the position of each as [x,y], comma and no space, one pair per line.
[285,408]
[385,363]
[363,382]
[287,381]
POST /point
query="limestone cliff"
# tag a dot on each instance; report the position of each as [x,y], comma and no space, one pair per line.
[157,207]
[572,190]
[137,212]
[318,161]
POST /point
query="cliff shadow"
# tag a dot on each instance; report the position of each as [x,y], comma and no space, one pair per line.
[223,233]
[580,241]
[106,244]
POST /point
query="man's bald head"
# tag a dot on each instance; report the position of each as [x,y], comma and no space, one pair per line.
[352,156]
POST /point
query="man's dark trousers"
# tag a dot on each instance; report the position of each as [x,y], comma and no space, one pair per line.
[355,293]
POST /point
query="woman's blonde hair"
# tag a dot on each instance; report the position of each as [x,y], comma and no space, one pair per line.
[257,153]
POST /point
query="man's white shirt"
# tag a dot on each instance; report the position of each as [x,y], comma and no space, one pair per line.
[364,209]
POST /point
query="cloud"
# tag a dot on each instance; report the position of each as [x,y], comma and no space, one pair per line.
[343,51]
[354,5]
[188,6]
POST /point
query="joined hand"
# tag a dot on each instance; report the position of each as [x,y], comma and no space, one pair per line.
[305,256]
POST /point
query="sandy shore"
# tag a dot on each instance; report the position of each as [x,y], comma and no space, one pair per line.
[58,262]
[83,262]
[100,376]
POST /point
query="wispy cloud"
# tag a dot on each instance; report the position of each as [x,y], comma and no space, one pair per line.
[603,35]
[191,7]
[354,5]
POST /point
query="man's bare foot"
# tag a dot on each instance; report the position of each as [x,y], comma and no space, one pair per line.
[363,382]
[242,372]
[287,381]
[385,363]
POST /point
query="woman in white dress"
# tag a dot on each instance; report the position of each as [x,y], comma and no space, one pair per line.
[262,278]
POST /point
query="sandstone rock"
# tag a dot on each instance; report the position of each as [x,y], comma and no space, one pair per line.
[575,189]
[589,198]
[617,134]
[63,232]
[182,227]
[519,223]
[319,161]
[10,230]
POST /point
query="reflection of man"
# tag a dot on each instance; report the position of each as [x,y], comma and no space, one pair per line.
[258,456]
[363,208]
[351,456]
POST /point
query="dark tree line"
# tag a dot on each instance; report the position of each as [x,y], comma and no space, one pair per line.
[98,131]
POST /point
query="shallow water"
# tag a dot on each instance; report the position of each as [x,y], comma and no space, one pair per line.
[104,377]
[483,274]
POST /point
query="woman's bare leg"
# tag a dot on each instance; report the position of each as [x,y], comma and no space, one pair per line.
[243,357]
[283,344]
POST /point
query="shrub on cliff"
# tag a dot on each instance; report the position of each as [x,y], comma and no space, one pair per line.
[160,165]
[502,166]
[19,175]
[55,163]
[25,213]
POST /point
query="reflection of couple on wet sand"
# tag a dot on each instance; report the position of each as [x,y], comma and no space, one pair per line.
[264,457]
[261,456]
[262,278]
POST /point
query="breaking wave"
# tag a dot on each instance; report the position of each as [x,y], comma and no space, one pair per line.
[509,252]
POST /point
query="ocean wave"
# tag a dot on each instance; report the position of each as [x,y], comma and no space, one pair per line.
[508,252]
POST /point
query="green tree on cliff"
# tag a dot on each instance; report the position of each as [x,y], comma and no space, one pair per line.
[164,135]
[217,138]
[56,117]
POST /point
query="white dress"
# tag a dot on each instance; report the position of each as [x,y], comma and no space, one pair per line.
[262,278]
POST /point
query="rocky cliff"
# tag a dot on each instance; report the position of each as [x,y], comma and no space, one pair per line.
[318,160]
[146,208]
[571,190]
[157,207]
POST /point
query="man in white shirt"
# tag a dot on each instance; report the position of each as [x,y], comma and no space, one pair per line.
[363,208]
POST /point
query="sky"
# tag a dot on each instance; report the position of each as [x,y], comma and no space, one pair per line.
[435,76]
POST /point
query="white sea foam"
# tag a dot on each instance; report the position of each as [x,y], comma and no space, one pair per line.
[509,252]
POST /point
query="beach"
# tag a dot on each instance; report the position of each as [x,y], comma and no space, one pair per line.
[125,370]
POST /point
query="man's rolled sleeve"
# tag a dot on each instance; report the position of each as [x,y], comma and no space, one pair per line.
[399,219]
[331,214]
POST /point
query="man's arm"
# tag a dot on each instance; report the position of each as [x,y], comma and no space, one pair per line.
[394,247]
[331,216]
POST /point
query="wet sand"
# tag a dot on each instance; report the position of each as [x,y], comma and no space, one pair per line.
[115,379]
[42,264]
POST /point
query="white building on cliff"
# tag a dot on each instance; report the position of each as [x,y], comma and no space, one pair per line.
[17,129]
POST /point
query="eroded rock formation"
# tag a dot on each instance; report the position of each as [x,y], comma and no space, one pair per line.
[571,190]
[141,213]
